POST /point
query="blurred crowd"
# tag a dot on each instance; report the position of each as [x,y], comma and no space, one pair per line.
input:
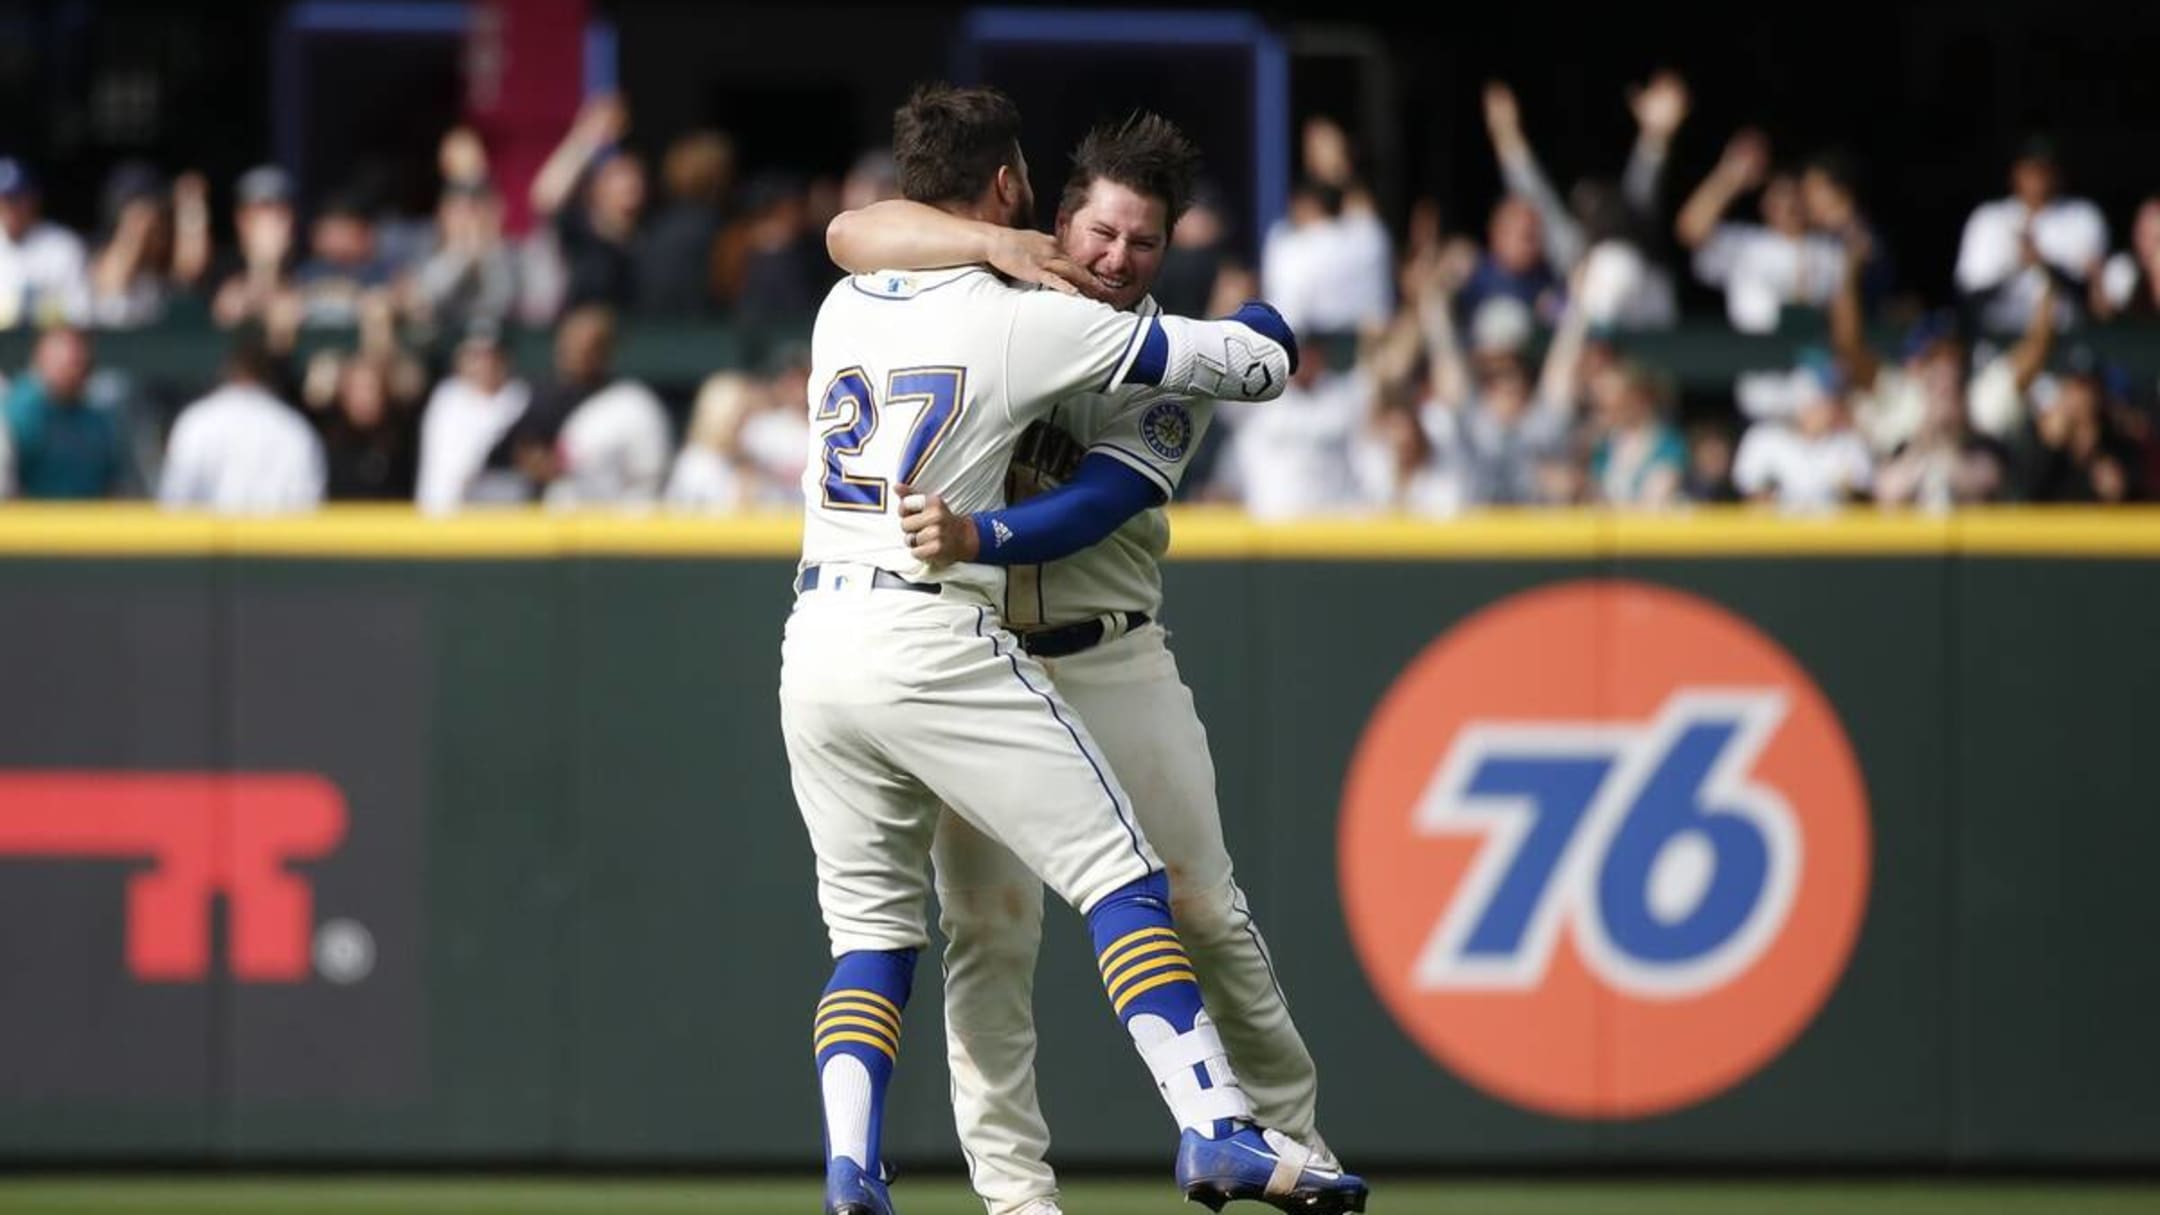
[1445,369]
[1453,372]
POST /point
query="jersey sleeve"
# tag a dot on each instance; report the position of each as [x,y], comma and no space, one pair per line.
[1156,436]
[1060,345]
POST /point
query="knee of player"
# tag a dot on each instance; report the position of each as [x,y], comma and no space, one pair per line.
[1000,918]
[1208,912]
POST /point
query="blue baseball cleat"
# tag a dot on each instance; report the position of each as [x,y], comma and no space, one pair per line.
[1264,1166]
[850,1191]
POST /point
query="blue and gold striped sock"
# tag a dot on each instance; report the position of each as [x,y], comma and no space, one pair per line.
[1152,988]
[857,1044]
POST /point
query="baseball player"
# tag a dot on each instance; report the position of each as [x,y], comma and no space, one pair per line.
[901,691]
[1091,618]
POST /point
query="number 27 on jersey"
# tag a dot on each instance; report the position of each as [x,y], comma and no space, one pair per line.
[853,411]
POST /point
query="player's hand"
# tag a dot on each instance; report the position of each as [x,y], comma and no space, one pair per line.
[1036,257]
[935,534]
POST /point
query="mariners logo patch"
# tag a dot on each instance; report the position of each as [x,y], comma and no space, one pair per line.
[1168,429]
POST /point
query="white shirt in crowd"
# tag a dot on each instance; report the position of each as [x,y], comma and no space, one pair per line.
[7,452]
[1622,288]
[706,479]
[43,277]
[461,426]
[240,450]
[614,447]
[1762,270]
[1805,473]
[1438,487]
[1292,457]
[1890,413]
[775,442]
[1332,275]
[2069,233]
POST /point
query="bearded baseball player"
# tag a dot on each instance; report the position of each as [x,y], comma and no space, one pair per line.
[1084,595]
[903,696]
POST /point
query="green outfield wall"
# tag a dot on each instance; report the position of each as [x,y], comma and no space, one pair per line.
[363,838]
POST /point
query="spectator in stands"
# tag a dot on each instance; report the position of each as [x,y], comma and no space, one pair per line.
[1710,462]
[471,277]
[2012,245]
[2073,450]
[1513,435]
[1293,457]
[676,251]
[783,272]
[343,264]
[1894,403]
[241,450]
[467,415]
[2129,283]
[1199,251]
[1830,194]
[1399,465]
[1814,462]
[1605,224]
[256,283]
[368,445]
[1638,459]
[586,437]
[712,473]
[1512,265]
[1327,266]
[615,448]
[594,191]
[1764,268]
[775,437]
[1944,463]
[64,447]
[155,246]
[43,274]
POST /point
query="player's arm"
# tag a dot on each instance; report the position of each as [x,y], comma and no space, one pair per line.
[1135,463]
[1058,346]
[1103,493]
[898,234]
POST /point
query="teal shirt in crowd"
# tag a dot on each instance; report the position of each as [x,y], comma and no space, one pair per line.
[61,450]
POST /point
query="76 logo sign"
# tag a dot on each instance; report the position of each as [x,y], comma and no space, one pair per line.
[1673,870]
[1604,849]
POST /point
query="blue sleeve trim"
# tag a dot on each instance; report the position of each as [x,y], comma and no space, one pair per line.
[1152,360]
[1138,463]
[1077,515]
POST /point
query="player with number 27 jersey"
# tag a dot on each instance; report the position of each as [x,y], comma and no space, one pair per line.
[928,377]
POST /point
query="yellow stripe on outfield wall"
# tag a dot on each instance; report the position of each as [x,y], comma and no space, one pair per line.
[30,529]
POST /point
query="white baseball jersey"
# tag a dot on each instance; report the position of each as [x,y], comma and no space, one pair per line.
[1152,433]
[942,370]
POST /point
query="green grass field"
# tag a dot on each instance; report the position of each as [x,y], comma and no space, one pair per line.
[938,1196]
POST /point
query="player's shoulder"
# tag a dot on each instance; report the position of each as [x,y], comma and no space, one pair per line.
[905,286]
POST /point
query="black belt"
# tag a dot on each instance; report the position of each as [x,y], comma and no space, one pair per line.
[881,578]
[1073,638]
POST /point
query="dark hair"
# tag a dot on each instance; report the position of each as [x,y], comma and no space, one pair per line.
[1328,198]
[1146,153]
[949,142]
[1839,168]
[1602,210]
[249,356]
